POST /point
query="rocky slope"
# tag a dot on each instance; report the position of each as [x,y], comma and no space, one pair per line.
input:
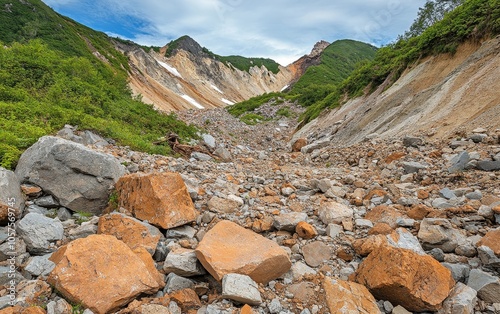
[251,226]
[441,97]
[191,78]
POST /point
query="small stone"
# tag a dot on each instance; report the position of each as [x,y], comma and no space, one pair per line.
[316,253]
[182,262]
[400,310]
[175,282]
[447,193]
[40,233]
[288,221]
[241,288]
[306,231]
[333,212]
[40,265]
[334,230]
[275,306]
[47,202]
[412,141]
[348,297]
[458,163]
[413,167]
[300,269]
[223,205]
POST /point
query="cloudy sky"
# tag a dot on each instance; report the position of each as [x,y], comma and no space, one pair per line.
[280,29]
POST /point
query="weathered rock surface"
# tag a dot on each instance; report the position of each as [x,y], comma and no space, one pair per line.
[462,300]
[241,288]
[403,277]
[40,233]
[492,240]
[486,285]
[101,273]
[10,196]
[160,198]
[348,297]
[133,232]
[182,262]
[228,248]
[439,233]
[333,212]
[77,176]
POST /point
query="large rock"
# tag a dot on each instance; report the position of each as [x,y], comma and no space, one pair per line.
[333,212]
[77,176]
[133,232]
[346,297]
[403,277]
[462,300]
[40,233]
[101,273]
[160,198]
[182,262]
[228,248]
[11,197]
[486,285]
[491,240]
[439,233]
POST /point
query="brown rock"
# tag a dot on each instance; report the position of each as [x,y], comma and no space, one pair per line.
[149,265]
[394,156]
[303,292]
[422,194]
[345,254]
[160,198]
[33,310]
[152,309]
[496,210]
[298,144]
[491,240]
[12,310]
[365,246]
[418,212]
[34,292]
[187,299]
[246,309]
[263,225]
[31,190]
[305,230]
[380,228]
[130,230]
[385,214]
[101,272]
[417,282]
[348,297]
[316,253]
[222,205]
[228,248]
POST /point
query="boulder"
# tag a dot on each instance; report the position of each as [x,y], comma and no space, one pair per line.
[228,248]
[11,197]
[101,273]
[333,212]
[491,240]
[40,233]
[416,282]
[241,288]
[486,285]
[298,144]
[133,232]
[39,265]
[439,233]
[458,163]
[462,300]
[316,253]
[223,205]
[346,297]
[288,221]
[160,198]
[305,230]
[78,177]
[182,262]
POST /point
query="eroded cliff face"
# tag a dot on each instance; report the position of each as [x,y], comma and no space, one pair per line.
[188,80]
[440,97]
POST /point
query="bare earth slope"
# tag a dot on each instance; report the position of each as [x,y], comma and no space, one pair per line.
[439,97]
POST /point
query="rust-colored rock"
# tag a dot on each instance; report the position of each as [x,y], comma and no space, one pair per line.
[187,299]
[101,273]
[130,230]
[228,248]
[380,228]
[298,144]
[305,230]
[160,198]
[365,246]
[417,282]
[491,240]
[385,214]
[346,297]
[419,212]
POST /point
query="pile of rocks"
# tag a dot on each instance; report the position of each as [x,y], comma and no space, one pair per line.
[381,227]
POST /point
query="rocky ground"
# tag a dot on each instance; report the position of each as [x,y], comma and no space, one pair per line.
[256,225]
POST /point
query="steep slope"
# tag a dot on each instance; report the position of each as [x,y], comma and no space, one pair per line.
[439,97]
[189,76]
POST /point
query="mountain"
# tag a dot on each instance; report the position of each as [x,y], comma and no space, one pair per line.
[183,75]
[441,83]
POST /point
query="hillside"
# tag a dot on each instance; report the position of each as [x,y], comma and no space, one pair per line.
[55,71]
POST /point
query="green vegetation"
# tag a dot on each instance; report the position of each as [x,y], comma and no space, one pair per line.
[50,76]
[252,118]
[284,112]
[474,20]
[253,103]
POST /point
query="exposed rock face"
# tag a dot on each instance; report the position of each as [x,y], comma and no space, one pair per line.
[101,273]
[161,198]
[418,283]
[348,297]
[228,248]
[10,196]
[77,176]
[133,232]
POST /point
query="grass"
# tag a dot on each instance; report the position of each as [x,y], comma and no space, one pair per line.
[252,118]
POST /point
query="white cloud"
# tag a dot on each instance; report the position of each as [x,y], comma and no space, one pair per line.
[282,29]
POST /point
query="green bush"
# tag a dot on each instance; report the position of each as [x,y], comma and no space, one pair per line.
[252,118]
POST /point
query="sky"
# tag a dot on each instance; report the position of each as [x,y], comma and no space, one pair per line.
[283,30]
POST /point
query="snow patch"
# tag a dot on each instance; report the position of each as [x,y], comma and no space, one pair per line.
[169,68]
[285,87]
[227,102]
[193,102]
[216,88]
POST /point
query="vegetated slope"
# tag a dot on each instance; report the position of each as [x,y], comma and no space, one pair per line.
[184,75]
[54,71]
[441,82]
[474,20]
[316,74]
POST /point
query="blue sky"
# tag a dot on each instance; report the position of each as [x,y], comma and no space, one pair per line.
[280,29]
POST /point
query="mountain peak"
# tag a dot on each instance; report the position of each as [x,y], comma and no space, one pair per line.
[185,43]
[318,48]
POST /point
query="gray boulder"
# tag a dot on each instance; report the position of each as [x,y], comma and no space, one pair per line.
[462,300]
[288,221]
[78,177]
[439,233]
[10,196]
[489,165]
[40,265]
[412,141]
[183,262]
[459,162]
[241,288]
[40,233]
[486,285]
[413,167]
[175,283]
